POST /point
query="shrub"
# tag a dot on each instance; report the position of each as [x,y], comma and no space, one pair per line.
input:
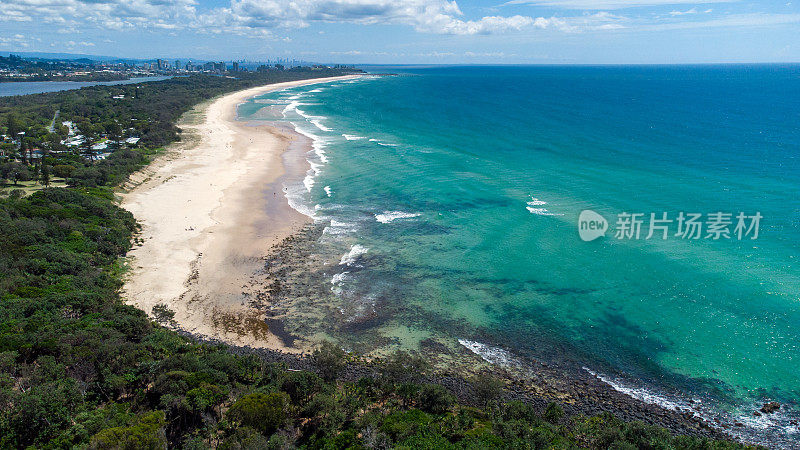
[402,424]
[488,388]
[330,360]
[63,170]
[517,410]
[147,433]
[402,366]
[163,315]
[301,386]
[245,438]
[553,413]
[262,412]
[435,399]
[408,392]
[641,435]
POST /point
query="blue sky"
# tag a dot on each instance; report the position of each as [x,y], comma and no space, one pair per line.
[411,31]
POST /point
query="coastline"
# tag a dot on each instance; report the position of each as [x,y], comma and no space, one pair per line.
[224,178]
[205,273]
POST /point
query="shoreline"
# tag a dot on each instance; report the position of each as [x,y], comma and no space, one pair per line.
[215,305]
[224,177]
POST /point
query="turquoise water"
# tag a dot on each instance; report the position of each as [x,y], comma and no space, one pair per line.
[452,197]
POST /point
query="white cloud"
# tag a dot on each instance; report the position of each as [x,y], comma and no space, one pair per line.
[256,17]
[14,42]
[489,54]
[114,14]
[588,22]
[608,4]
[731,20]
[683,13]
[430,16]
[261,18]
[486,25]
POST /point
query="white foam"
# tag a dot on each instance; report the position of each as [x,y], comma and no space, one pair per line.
[340,228]
[536,202]
[318,150]
[317,142]
[319,125]
[492,355]
[350,257]
[378,141]
[352,137]
[642,394]
[294,197]
[315,167]
[292,106]
[539,211]
[390,216]
[532,208]
[339,278]
[308,181]
[328,191]
[336,282]
[311,175]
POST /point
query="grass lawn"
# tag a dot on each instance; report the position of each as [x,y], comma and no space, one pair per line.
[29,187]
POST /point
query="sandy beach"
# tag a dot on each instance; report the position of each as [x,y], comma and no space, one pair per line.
[210,209]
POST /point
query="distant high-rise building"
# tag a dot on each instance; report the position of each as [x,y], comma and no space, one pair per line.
[177,64]
[235,66]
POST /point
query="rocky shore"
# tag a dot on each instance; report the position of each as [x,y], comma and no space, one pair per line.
[577,395]
[295,278]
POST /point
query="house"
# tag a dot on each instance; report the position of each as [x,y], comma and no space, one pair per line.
[73,141]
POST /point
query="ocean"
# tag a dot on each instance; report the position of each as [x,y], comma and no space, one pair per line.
[450,197]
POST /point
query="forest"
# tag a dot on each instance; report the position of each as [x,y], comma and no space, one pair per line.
[81,369]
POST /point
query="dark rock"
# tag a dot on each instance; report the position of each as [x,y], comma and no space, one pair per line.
[770,407]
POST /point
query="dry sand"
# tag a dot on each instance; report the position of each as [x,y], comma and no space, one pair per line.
[210,208]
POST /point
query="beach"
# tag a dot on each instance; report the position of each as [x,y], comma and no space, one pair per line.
[434,237]
[210,208]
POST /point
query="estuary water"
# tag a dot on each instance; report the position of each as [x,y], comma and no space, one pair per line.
[10,88]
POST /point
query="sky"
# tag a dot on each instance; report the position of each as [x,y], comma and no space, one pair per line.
[411,31]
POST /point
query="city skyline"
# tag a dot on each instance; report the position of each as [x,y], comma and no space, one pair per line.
[410,32]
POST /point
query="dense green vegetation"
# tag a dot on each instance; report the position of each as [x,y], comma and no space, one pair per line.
[78,368]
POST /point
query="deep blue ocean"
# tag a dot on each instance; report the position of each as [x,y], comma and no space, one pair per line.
[450,198]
